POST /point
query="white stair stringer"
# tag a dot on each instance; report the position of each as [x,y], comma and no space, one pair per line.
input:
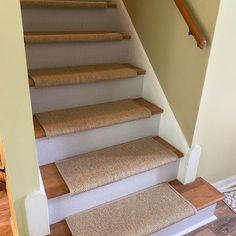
[64,206]
[152,90]
[53,149]
[54,55]
[61,97]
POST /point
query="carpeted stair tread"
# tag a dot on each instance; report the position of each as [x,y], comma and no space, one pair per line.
[60,122]
[102,167]
[68,3]
[82,74]
[73,36]
[99,168]
[199,193]
[139,214]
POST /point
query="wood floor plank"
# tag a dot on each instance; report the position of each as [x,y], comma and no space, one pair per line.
[5,225]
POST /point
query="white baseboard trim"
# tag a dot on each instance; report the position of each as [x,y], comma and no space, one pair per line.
[226,184]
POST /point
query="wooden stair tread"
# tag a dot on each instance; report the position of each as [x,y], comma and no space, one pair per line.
[55,185]
[73,36]
[172,148]
[199,193]
[94,68]
[40,133]
[67,4]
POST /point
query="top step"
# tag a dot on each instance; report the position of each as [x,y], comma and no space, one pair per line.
[68,4]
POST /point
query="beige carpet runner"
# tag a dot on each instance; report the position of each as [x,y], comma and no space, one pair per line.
[137,215]
[79,75]
[92,170]
[89,117]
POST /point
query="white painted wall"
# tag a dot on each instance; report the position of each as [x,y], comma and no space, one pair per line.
[152,90]
[216,127]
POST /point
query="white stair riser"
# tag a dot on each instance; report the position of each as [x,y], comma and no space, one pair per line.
[60,97]
[74,54]
[62,147]
[65,19]
[203,217]
[62,207]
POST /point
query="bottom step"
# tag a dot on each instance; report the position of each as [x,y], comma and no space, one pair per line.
[145,212]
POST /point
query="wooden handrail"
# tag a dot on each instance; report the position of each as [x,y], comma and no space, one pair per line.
[194,28]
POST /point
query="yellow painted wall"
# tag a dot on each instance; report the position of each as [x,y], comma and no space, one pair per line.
[178,63]
[16,128]
[216,123]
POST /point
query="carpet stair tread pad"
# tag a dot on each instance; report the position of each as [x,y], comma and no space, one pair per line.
[95,169]
[83,118]
[68,3]
[141,214]
[82,74]
[73,36]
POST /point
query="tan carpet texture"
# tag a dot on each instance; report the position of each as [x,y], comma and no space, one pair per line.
[137,215]
[60,37]
[89,117]
[79,75]
[95,169]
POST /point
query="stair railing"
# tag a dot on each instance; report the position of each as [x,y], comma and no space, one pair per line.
[194,28]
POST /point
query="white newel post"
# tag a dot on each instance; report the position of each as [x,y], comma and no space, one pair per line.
[189,165]
[36,207]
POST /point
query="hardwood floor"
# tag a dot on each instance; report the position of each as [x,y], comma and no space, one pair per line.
[224,226]
[5,225]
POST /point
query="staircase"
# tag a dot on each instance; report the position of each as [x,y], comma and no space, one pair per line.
[104,166]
